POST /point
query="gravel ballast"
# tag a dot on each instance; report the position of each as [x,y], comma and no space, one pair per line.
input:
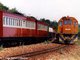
[70,53]
[6,52]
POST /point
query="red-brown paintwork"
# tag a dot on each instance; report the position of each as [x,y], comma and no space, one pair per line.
[20,32]
[1,24]
[73,29]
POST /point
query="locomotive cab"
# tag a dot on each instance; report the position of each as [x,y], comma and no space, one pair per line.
[68,29]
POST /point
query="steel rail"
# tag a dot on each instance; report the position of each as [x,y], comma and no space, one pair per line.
[41,52]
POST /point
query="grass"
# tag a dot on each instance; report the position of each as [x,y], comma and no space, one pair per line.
[78,42]
[1,48]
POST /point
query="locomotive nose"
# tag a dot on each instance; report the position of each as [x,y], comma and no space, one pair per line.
[67,29]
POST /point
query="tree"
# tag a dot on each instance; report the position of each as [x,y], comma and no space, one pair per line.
[43,20]
[54,24]
[13,10]
[32,17]
[48,22]
[2,7]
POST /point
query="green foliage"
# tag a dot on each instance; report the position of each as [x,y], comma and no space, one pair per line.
[79,31]
[13,10]
[2,7]
[54,24]
[77,42]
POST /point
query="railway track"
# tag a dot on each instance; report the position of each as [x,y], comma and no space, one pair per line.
[41,52]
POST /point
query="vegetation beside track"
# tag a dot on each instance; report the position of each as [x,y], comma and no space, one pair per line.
[78,42]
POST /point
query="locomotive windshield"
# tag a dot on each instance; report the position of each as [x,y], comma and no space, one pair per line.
[60,23]
[67,22]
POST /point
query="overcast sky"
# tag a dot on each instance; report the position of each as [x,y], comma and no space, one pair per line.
[49,9]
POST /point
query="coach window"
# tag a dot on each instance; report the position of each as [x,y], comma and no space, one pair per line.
[29,24]
[9,21]
[26,23]
[4,20]
[15,22]
[45,27]
[39,26]
[33,24]
[21,22]
[12,22]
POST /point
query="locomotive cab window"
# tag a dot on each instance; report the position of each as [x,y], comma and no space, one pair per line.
[75,23]
[67,22]
[60,23]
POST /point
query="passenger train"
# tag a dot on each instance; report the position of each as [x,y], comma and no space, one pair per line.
[17,29]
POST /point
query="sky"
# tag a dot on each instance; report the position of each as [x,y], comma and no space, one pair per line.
[49,9]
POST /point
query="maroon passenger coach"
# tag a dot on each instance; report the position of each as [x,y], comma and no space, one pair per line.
[20,29]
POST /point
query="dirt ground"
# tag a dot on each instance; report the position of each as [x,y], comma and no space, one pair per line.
[70,53]
[6,52]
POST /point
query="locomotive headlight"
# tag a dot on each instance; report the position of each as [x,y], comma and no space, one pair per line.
[67,29]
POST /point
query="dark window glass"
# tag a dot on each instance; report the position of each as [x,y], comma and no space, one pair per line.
[6,21]
[75,23]
[67,22]
[60,23]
